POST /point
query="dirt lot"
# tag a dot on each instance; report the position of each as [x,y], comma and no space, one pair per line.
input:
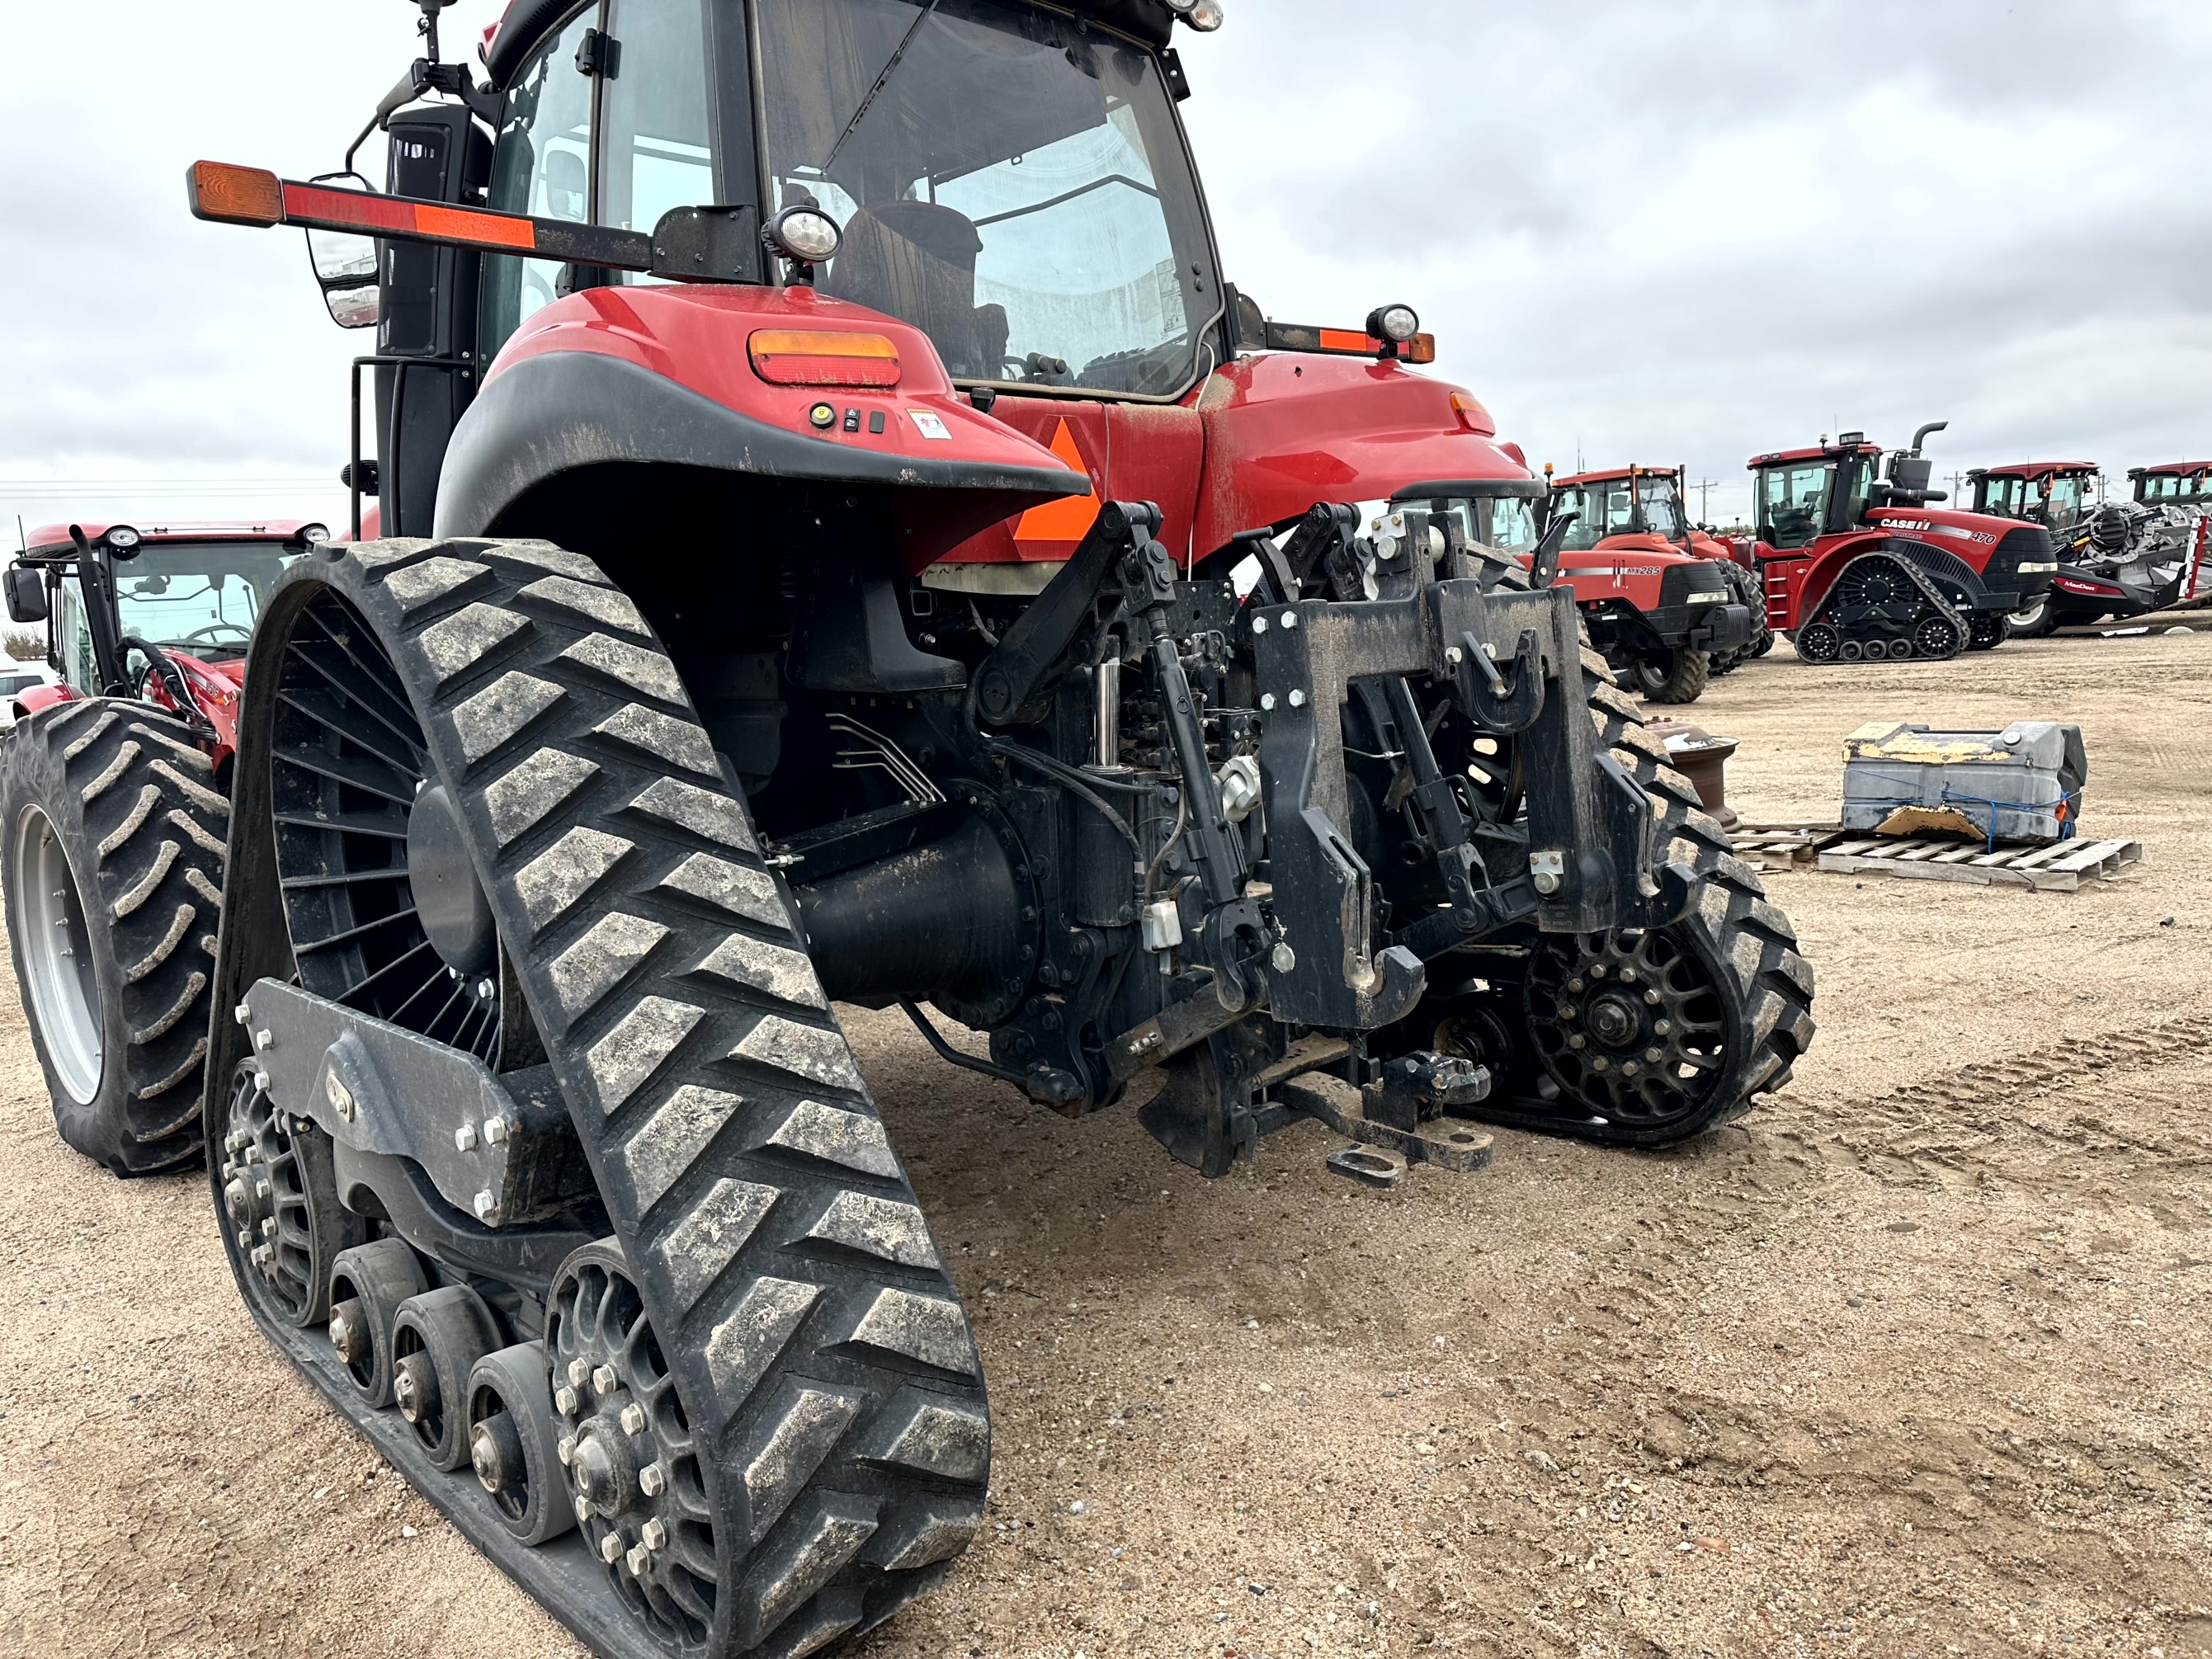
[1916,1360]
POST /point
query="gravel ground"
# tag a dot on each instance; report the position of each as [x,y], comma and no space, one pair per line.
[1914,1360]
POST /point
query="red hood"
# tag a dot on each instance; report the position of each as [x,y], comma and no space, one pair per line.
[1941,524]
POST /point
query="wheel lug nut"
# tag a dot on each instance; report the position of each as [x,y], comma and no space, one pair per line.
[1662,1027]
[1628,976]
[579,1371]
[583,1510]
[638,1560]
[1652,997]
[1599,1064]
[611,1549]
[262,1190]
[633,1419]
[650,1481]
[269,1228]
[564,1401]
[1628,1068]
[1655,1055]
[1576,1040]
[1597,970]
[604,1380]
[655,1533]
[245,1239]
[1567,1010]
[1574,985]
[566,1450]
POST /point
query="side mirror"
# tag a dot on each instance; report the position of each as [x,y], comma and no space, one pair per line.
[345,270]
[26,594]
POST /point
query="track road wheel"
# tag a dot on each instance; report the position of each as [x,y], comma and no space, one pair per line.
[283,1223]
[1646,1038]
[1672,676]
[780,1419]
[1819,643]
[113,848]
[1937,636]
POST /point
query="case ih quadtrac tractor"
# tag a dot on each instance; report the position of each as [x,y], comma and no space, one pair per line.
[1666,604]
[847,614]
[2119,559]
[1859,568]
[112,815]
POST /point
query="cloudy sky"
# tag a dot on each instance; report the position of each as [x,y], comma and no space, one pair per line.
[1654,233]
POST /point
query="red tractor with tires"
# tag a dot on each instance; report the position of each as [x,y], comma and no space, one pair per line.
[1860,567]
[112,814]
[1666,604]
[825,594]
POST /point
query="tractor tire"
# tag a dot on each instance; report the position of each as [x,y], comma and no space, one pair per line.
[768,1294]
[1672,677]
[113,837]
[2035,621]
[1749,594]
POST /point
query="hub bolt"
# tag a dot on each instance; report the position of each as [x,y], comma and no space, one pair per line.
[261,1190]
[269,1228]
[633,1418]
[1575,985]
[1599,1064]
[245,1239]
[650,1481]
[611,1549]
[583,1510]
[1597,970]
[565,1402]
[579,1371]
[638,1560]
[604,1380]
[1629,1069]
[1652,997]
[1655,1054]
[1662,1027]
[566,1450]
[495,1130]
[464,1137]
[655,1533]
[1576,1040]
[1628,976]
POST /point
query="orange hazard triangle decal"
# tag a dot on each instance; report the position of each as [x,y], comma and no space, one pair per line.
[1070,518]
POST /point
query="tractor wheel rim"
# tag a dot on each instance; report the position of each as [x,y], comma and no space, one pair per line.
[2029,616]
[65,989]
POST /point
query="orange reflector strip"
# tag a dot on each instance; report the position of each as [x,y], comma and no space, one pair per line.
[795,356]
[236,196]
[374,213]
[1345,339]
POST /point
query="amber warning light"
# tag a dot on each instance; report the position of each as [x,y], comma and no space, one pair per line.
[795,356]
[236,196]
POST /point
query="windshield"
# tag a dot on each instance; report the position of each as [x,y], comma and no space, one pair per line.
[2063,505]
[1007,180]
[2170,487]
[1601,509]
[198,598]
[2003,496]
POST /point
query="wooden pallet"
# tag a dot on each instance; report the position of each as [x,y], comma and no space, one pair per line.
[2060,867]
[1784,846]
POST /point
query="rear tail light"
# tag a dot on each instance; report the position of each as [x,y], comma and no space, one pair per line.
[791,356]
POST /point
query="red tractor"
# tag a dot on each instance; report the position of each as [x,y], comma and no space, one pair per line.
[2174,484]
[848,614]
[112,814]
[1860,567]
[1666,603]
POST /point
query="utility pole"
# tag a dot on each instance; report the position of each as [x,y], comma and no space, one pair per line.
[1705,487]
[1958,487]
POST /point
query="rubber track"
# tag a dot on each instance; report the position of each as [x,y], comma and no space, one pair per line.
[142,792]
[1740,931]
[821,1353]
[1929,593]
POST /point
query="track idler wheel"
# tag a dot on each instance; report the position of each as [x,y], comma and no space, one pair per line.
[1630,1023]
[281,1216]
[515,1442]
[1937,636]
[1819,642]
[436,1340]
[369,1283]
[638,1489]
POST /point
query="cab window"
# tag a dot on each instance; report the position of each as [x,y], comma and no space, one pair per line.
[1793,502]
[541,166]
[656,148]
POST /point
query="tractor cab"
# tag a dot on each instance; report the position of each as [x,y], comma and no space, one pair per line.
[2174,484]
[2057,494]
[164,612]
[1860,565]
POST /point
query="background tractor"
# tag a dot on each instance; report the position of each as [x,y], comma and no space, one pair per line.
[848,614]
[1859,566]
[1666,604]
[2116,559]
[112,815]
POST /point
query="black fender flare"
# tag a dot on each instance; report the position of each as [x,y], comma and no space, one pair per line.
[564,411]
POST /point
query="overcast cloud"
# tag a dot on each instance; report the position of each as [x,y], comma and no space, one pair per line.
[1686,232]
